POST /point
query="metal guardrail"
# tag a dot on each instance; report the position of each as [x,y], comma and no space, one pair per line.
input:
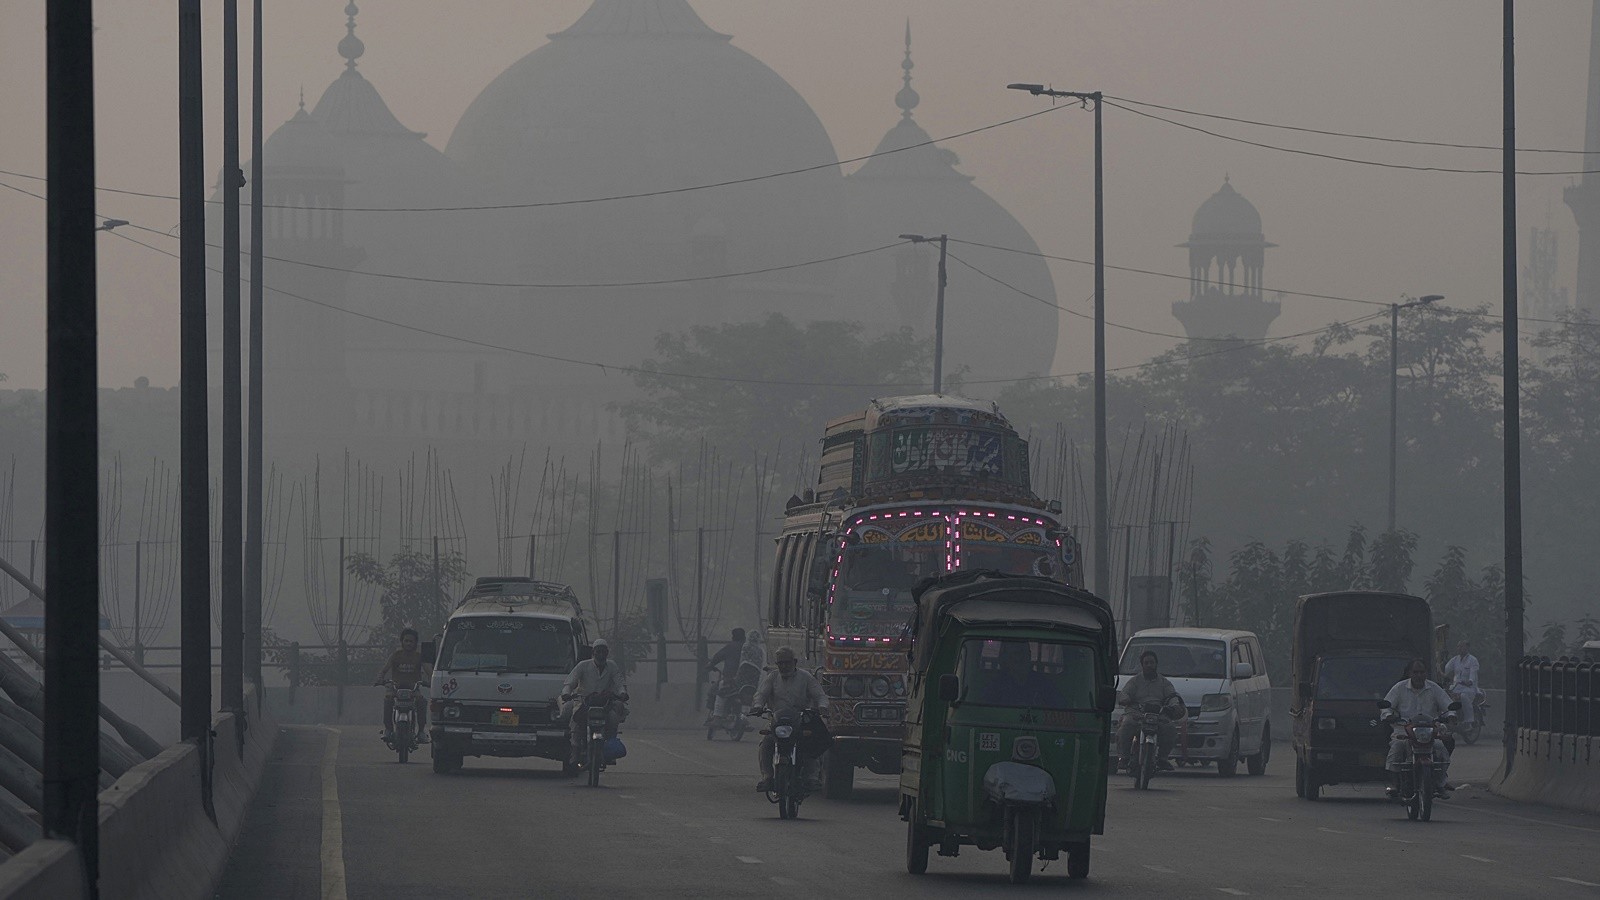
[1560,696]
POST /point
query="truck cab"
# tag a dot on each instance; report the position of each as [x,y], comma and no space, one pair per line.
[504,654]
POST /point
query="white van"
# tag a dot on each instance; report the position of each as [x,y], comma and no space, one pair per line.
[505,652]
[1222,678]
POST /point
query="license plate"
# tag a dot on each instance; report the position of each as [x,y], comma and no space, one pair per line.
[1374,760]
[507,736]
[879,714]
[506,718]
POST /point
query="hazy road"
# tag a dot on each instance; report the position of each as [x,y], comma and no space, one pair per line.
[679,818]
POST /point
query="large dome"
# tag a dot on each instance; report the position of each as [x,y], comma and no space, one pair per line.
[641,96]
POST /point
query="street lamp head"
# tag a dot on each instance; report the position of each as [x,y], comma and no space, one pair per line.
[109,224]
[914,238]
[1034,89]
[1430,298]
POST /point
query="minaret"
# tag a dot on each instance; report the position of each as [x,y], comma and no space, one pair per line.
[913,277]
[1584,197]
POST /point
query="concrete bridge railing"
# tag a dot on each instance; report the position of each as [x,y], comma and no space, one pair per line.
[1557,757]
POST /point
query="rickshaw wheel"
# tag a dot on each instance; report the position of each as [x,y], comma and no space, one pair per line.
[916,845]
[1021,847]
[1078,860]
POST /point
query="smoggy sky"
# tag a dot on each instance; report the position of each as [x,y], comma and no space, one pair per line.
[1417,69]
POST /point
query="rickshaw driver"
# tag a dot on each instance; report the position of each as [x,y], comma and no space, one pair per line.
[1147,686]
[789,687]
[1016,683]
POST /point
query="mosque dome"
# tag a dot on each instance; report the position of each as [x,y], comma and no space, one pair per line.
[641,96]
[913,186]
[1226,215]
[301,145]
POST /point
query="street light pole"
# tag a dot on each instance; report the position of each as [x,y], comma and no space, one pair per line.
[1394,390]
[938,315]
[1512,402]
[1102,503]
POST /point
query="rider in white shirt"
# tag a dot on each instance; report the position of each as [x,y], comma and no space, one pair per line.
[1463,672]
[1417,696]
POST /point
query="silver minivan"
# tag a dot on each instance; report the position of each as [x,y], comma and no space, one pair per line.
[1222,678]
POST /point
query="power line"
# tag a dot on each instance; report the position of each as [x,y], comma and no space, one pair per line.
[607,198]
[640,370]
[1332,156]
[1344,134]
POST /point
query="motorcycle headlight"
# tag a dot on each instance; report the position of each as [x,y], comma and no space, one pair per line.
[879,687]
[1025,748]
[855,686]
[783,731]
[1422,734]
[1216,702]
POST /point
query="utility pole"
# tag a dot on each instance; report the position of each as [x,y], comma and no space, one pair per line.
[1513,400]
[616,585]
[344,656]
[700,583]
[232,554]
[194,454]
[253,474]
[1102,502]
[72,446]
[533,546]
[938,315]
[138,587]
[1394,392]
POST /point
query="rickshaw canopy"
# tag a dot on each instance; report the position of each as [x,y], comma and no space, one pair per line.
[986,597]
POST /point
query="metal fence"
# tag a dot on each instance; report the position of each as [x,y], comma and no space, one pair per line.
[1559,695]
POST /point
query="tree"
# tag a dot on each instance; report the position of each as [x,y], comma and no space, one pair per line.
[414,595]
[1392,561]
[1554,643]
[810,373]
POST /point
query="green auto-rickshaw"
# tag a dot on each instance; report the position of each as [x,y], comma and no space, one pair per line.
[1009,720]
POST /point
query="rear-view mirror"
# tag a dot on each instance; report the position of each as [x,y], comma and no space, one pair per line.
[949,688]
[1105,698]
[1242,671]
[430,651]
[1455,705]
[1384,704]
[585,651]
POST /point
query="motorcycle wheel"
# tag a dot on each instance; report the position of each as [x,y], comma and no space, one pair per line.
[1471,733]
[1413,796]
[711,731]
[1146,769]
[783,787]
[1020,848]
[739,728]
[402,741]
[916,846]
[593,764]
[1426,800]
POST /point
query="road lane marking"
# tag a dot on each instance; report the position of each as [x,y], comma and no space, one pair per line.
[332,822]
[1476,858]
[1332,830]
[1574,881]
[748,859]
[1399,841]
[1162,869]
[1217,808]
[1532,821]
[1268,819]
[690,760]
[1235,892]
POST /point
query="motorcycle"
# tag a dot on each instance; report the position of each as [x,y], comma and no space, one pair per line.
[596,717]
[789,730]
[1417,782]
[403,740]
[734,696]
[1146,749]
[1471,731]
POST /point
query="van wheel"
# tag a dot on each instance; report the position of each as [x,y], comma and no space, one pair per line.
[1078,860]
[1313,788]
[1228,763]
[445,763]
[1257,764]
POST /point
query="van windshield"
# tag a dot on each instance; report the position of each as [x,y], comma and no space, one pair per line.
[507,644]
[1179,657]
[1359,677]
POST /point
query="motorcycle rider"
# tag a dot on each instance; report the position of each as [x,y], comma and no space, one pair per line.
[406,668]
[594,675]
[788,688]
[725,661]
[1463,671]
[1412,696]
[753,658]
[1148,685]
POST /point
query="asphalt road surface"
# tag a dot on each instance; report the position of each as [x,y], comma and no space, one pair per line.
[337,817]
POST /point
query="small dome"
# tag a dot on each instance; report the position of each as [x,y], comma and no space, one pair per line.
[1226,214]
[301,144]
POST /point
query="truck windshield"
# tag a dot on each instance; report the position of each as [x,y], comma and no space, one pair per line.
[1358,677]
[508,644]
[1034,674]
[1179,657]
[875,581]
